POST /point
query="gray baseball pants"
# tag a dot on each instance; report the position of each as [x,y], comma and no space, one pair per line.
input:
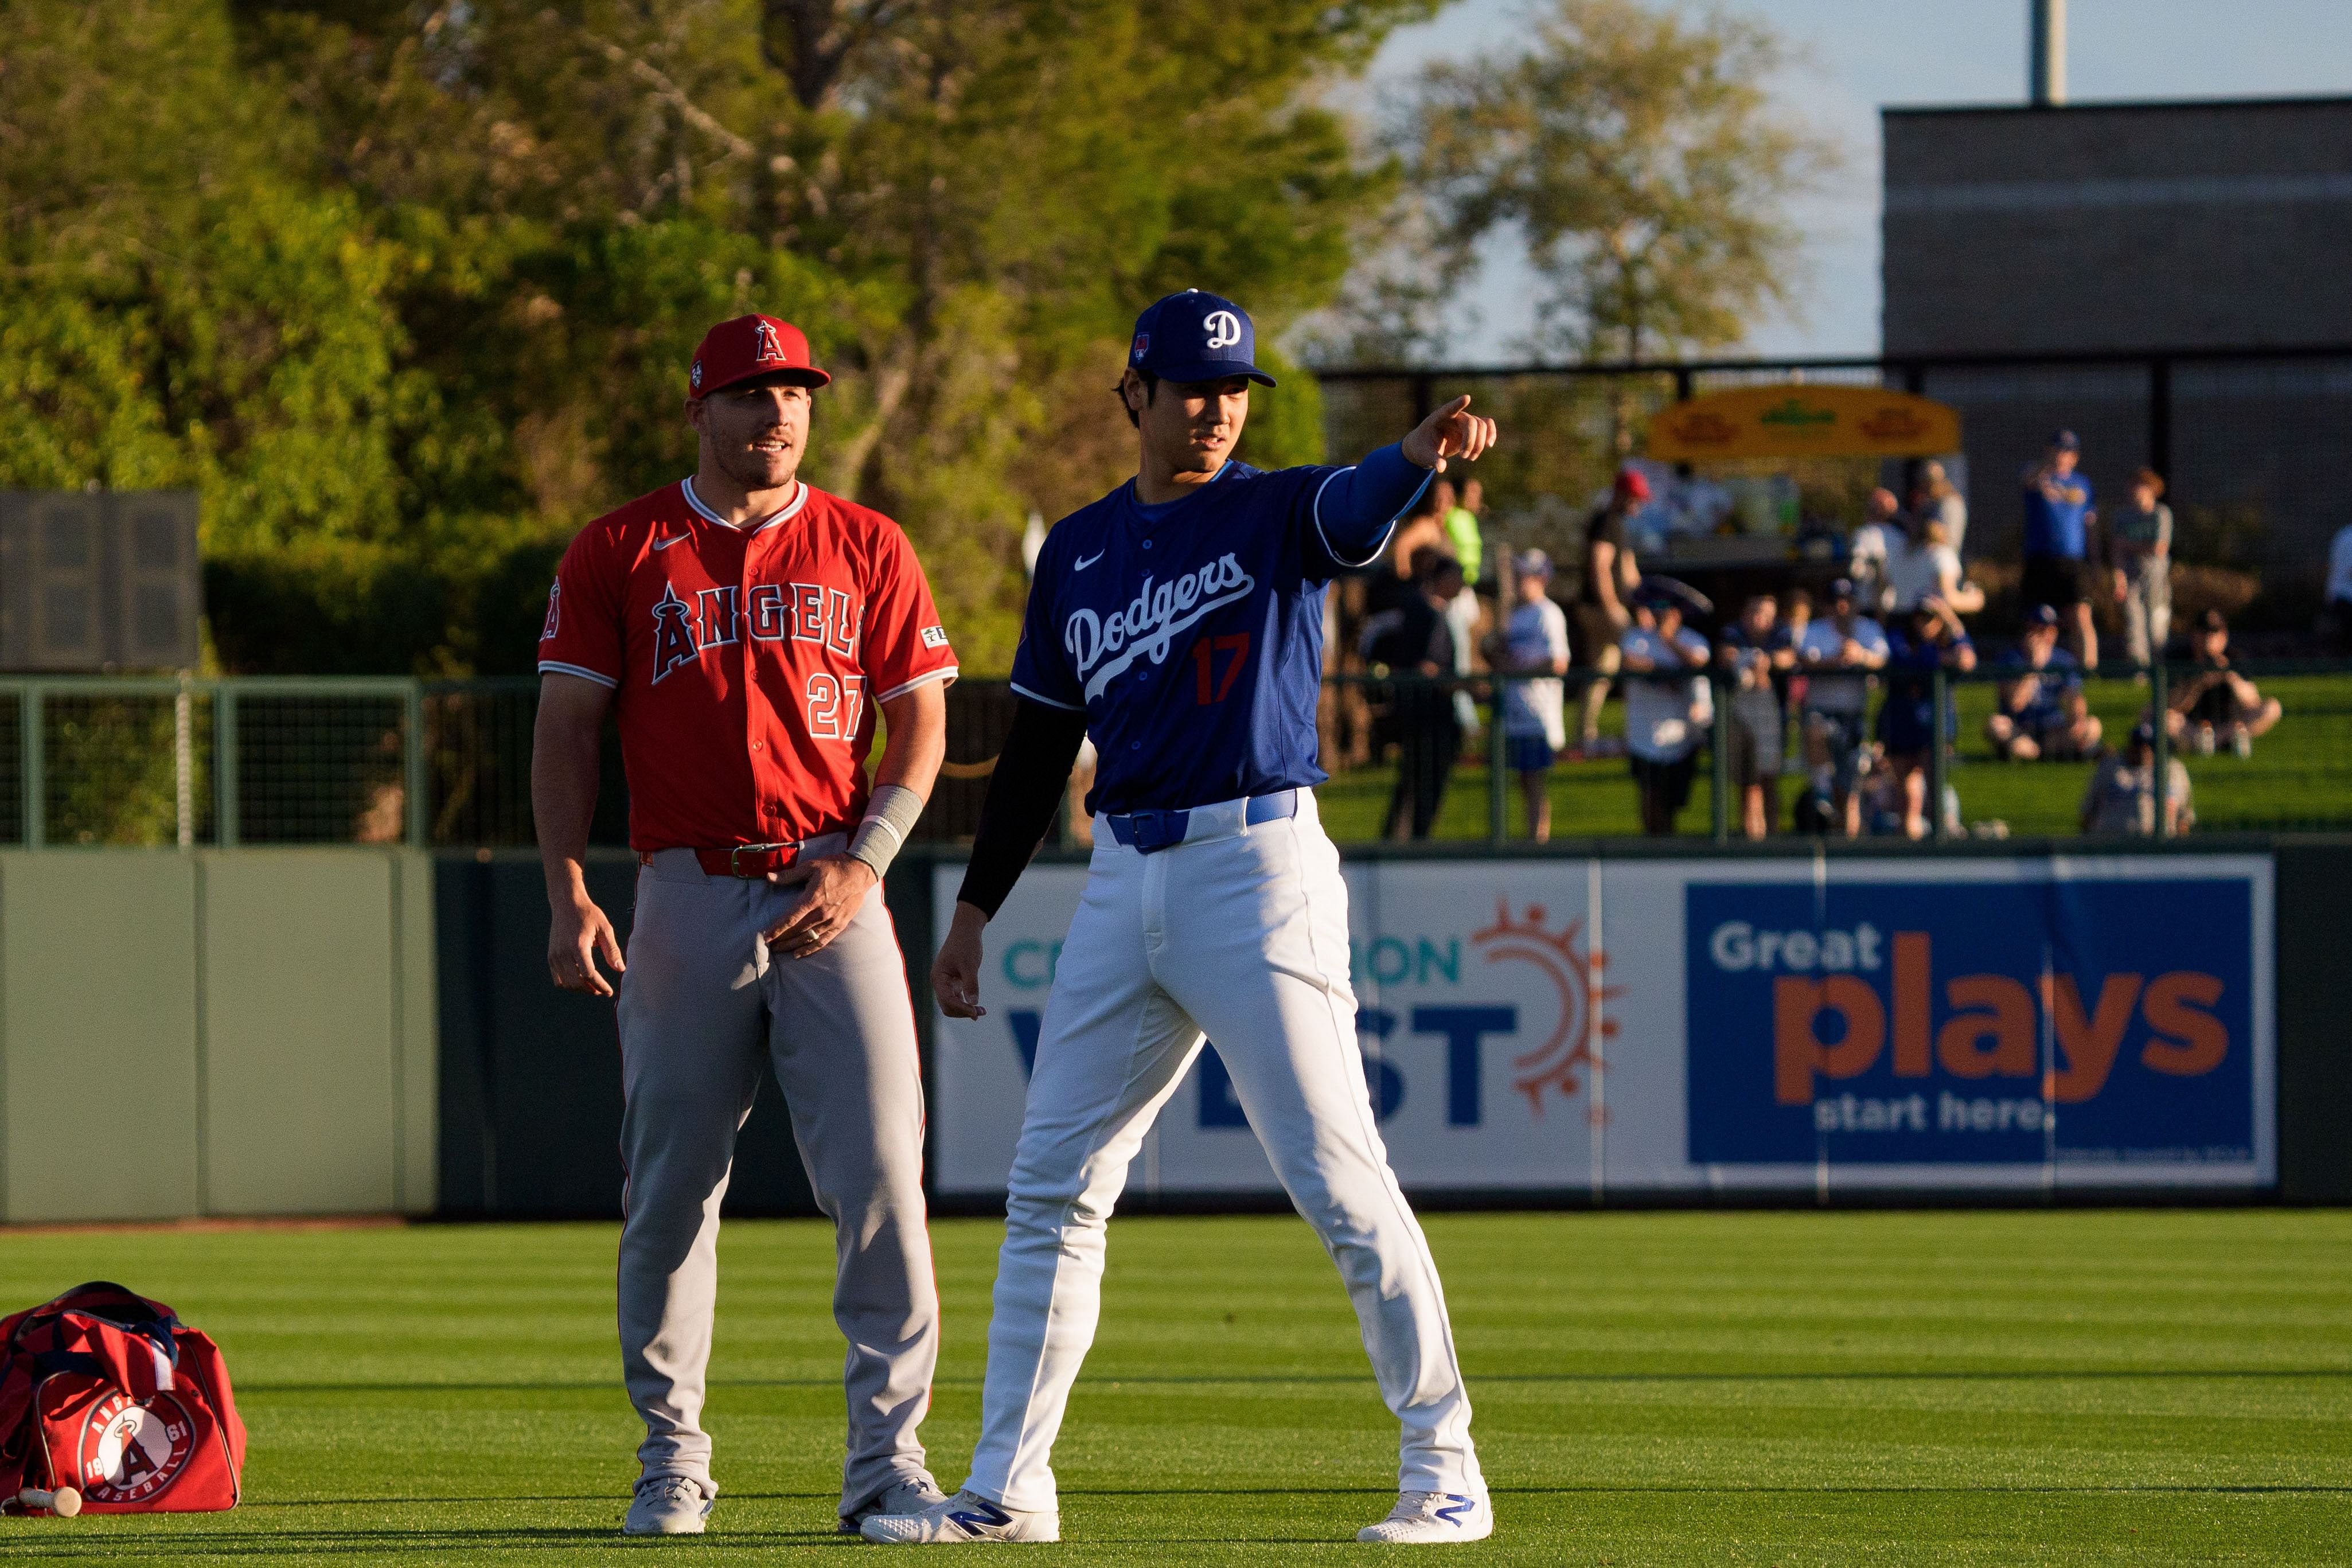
[702,1003]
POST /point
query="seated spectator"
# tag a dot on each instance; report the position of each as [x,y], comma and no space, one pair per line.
[1758,650]
[2121,797]
[2339,589]
[2042,710]
[1419,646]
[1837,653]
[1922,564]
[1535,722]
[1931,638]
[2139,567]
[1668,707]
[2217,706]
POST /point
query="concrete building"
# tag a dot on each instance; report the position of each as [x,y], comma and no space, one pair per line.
[2196,248]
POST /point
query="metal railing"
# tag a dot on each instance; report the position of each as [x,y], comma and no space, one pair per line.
[222,764]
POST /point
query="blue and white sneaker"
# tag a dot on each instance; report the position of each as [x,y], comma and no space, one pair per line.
[668,1504]
[1432,1518]
[967,1516]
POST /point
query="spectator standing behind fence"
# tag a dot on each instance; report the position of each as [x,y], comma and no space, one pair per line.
[2217,707]
[1533,643]
[1399,587]
[1837,653]
[1610,576]
[2042,710]
[1933,495]
[1867,551]
[2121,796]
[2059,518]
[1668,708]
[1758,652]
[1929,638]
[1921,565]
[1457,515]
[1418,646]
[2139,567]
[2339,589]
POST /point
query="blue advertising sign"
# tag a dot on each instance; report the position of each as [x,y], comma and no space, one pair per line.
[2076,1020]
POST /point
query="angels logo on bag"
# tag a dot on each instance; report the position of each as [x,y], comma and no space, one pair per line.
[107,1392]
[129,1452]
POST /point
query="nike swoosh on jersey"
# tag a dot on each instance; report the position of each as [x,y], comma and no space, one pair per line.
[1085,560]
[673,539]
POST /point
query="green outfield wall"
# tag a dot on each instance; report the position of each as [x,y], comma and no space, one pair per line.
[363,1031]
[217,1032]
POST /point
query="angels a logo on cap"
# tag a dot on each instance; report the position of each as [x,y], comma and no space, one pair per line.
[769,349]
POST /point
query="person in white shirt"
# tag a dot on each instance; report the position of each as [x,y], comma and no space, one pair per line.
[1669,707]
[2339,586]
[1534,721]
[1920,565]
[1838,652]
[1871,544]
[1935,496]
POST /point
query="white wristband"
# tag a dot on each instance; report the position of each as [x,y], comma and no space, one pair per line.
[888,823]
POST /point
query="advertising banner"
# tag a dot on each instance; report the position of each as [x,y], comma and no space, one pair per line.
[1580,1026]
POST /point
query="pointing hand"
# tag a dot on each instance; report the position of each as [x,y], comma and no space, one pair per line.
[1452,432]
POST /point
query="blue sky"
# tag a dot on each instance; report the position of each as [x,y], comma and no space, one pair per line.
[1862,54]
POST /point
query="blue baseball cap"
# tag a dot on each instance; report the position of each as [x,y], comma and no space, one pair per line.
[1194,336]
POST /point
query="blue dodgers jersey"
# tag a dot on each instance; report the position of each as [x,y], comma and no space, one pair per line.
[1190,635]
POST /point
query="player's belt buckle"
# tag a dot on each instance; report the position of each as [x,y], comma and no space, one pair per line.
[790,853]
[1150,830]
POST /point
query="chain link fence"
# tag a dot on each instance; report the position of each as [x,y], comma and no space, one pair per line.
[447,765]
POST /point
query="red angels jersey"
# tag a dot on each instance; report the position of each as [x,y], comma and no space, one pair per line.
[745,664]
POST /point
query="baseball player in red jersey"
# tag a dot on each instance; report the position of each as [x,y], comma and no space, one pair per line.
[744,628]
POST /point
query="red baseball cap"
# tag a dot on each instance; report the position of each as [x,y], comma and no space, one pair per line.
[749,346]
[1630,482]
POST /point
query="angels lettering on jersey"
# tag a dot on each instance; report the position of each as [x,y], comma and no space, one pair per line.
[805,611]
[745,662]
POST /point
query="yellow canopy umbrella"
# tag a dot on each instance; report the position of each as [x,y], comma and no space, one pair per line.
[1787,420]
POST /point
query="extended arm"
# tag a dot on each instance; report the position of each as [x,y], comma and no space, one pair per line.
[1032,771]
[564,767]
[914,744]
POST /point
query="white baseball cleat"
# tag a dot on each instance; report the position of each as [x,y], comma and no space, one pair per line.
[667,1505]
[913,1494]
[1432,1518]
[967,1516]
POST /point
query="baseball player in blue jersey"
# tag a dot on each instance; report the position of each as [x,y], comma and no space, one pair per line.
[1179,622]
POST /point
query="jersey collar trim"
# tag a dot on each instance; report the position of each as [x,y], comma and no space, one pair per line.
[799,499]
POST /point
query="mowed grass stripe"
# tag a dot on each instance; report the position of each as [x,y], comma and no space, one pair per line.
[2140,1386]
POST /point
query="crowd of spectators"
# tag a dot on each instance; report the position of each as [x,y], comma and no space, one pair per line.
[1842,701]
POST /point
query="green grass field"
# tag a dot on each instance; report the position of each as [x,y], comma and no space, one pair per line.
[1708,1388]
[2299,778]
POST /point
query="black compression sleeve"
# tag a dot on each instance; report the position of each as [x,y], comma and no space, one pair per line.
[1032,772]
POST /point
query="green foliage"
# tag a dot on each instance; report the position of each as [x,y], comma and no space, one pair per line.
[406,291]
[1638,153]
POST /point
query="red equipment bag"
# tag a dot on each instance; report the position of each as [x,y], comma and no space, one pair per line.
[108,1392]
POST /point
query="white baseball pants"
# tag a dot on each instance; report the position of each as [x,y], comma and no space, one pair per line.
[1246,937]
[703,1005]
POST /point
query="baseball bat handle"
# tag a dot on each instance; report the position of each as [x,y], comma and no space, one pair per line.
[65,1502]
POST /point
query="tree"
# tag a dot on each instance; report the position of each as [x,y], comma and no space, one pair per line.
[1642,159]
